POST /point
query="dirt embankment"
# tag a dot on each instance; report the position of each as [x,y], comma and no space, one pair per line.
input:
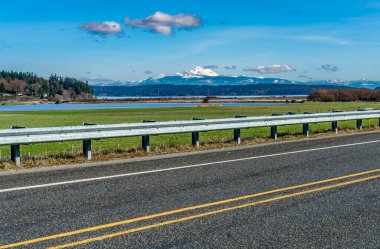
[23,100]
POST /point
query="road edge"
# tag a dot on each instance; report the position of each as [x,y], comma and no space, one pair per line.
[170,155]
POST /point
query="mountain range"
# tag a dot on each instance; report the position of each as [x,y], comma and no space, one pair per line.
[200,76]
[166,90]
[205,82]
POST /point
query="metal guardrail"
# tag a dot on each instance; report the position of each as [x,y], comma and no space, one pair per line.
[25,136]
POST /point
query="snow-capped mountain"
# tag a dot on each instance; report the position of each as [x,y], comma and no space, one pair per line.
[363,83]
[212,80]
[200,76]
[204,76]
[198,72]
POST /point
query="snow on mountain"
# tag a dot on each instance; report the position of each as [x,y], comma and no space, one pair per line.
[349,83]
[185,79]
[204,76]
[198,72]
[160,76]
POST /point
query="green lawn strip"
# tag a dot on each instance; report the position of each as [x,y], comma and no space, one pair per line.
[3,103]
[113,116]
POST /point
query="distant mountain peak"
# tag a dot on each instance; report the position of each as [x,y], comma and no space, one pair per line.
[198,72]
[160,76]
[203,76]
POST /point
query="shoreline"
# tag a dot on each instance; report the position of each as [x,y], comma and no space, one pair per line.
[198,100]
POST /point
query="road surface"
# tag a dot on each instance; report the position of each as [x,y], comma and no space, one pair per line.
[316,193]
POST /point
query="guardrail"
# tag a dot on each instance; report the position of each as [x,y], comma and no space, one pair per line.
[24,136]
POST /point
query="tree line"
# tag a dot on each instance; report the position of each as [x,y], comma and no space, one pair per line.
[55,87]
[205,90]
[329,95]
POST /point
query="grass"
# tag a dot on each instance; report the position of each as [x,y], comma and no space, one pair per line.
[11,103]
[37,154]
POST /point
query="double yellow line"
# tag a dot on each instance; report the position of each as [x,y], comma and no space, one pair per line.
[191,217]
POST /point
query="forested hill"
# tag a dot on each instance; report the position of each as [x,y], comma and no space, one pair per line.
[202,90]
[55,87]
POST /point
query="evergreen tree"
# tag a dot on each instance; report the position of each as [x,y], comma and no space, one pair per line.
[50,87]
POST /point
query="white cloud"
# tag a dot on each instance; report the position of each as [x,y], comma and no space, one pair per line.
[328,68]
[164,23]
[321,38]
[271,69]
[320,34]
[97,80]
[304,76]
[211,66]
[230,67]
[102,28]
[166,30]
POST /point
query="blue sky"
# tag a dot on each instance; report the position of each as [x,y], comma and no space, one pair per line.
[326,39]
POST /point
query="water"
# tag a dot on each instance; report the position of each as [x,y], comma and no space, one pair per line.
[52,107]
[200,97]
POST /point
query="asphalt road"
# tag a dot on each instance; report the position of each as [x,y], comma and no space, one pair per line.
[316,193]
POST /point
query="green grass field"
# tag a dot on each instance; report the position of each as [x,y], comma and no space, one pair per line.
[10,103]
[64,118]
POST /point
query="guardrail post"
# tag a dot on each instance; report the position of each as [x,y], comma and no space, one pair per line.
[87,150]
[87,147]
[15,154]
[237,137]
[305,129]
[273,132]
[145,140]
[15,149]
[334,124]
[359,124]
[273,129]
[195,136]
[145,143]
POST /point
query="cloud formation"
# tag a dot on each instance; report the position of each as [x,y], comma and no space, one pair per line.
[304,76]
[230,67]
[97,79]
[319,38]
[328,68]
[271,69]
[211,66]
[164,23]
[102,28]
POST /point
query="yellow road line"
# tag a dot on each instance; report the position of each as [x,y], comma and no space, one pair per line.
[112,235]
[128,221]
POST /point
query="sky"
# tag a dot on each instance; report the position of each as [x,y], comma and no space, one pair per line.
[125,40]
